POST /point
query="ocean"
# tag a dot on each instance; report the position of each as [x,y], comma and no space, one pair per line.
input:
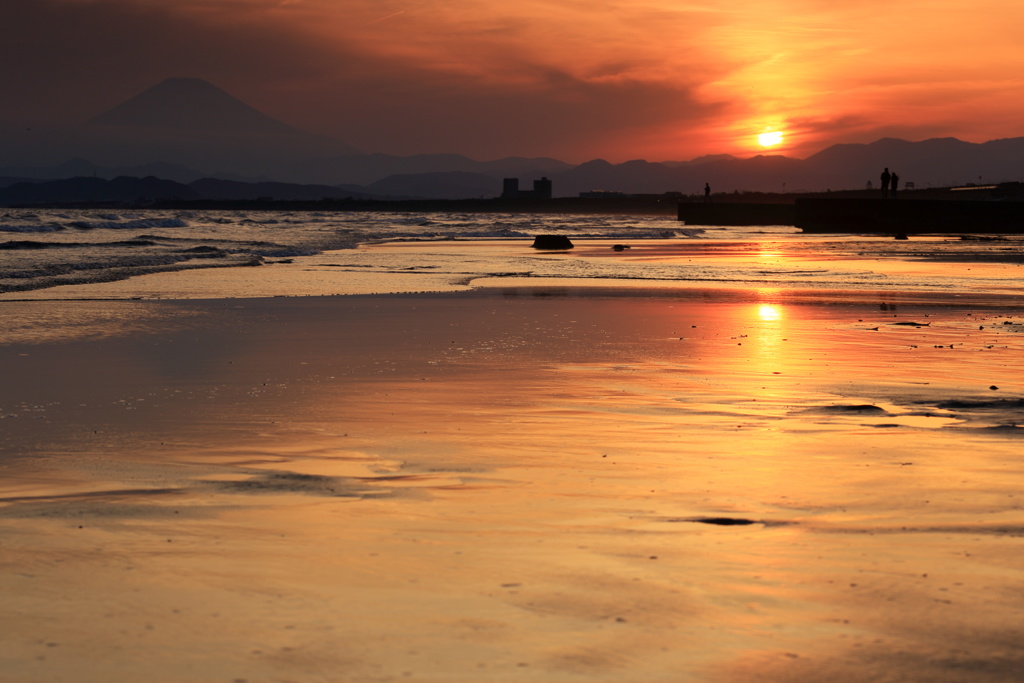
[388,446]
[42,249]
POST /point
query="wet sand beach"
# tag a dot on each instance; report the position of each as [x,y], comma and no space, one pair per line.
[526,482]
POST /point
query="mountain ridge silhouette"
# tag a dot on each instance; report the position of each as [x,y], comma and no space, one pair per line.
[192,104]
[188,128]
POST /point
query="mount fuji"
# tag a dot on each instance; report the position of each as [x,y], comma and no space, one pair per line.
[187,122]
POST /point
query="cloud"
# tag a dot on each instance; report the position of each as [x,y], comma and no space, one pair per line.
[438,77]
[664,79]
[77,58]
[554,114]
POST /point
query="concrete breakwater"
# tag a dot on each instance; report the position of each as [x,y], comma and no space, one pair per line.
[887,216]
[723,213]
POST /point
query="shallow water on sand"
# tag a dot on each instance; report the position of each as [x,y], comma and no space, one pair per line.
[214,254]
[515,485]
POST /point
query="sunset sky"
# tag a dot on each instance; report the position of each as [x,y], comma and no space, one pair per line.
[613,79]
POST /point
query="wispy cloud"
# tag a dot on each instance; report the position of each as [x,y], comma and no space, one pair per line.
[560,77]
[385,18]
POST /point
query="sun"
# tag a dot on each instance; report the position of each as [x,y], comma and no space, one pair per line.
[770,139]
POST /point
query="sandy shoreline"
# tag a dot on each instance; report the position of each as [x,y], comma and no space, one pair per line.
[847,268]
[504,485]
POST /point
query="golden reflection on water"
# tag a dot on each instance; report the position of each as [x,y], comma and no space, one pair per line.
[769,312]
[770,253]
[760,350]
[36,322]
[511,485]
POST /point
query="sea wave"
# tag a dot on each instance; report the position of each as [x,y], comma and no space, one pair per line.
[36,244]
[774,256]
[119,267]
[137,224]
[27,227]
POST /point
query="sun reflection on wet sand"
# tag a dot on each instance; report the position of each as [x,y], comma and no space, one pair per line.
[520,486]
[769,312]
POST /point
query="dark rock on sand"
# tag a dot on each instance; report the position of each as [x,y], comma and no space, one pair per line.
[723,521]
[981,404]
[552,242]
[843,409]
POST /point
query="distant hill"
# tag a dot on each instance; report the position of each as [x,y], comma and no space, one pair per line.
[215,188]
[930,163]
[726,174]
[7,181]
[364,169]
[706,159]
[81,190]
[181,121]
[191,104]
[937,162]
[74,168]
[450,185]
[142,191]
[186,129]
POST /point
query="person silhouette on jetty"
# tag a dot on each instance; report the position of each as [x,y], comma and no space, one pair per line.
[707,192]
[885,182]
[894,180]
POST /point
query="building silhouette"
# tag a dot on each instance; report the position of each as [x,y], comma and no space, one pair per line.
[541,189]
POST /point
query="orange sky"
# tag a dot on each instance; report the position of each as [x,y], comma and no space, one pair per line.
[615,79]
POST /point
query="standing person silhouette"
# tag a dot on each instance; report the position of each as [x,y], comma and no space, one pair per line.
[707,192]
[885,182]
[893,182]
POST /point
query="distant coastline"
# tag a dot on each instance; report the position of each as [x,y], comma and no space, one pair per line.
[748,208]
[654,205]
